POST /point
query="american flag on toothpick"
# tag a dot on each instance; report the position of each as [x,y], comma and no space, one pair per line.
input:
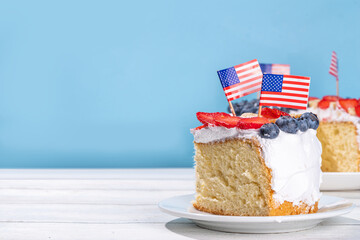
[334,66]
[334,70]
[285,91]
[241,80]
[275,68]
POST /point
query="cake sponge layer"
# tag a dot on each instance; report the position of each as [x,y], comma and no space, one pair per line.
[232,179]
[340,147]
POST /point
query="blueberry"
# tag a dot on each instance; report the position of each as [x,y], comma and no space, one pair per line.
[245,106]
[287,124]
[311,118]
[269,130]
[254,102]
[303,125]
[243,103]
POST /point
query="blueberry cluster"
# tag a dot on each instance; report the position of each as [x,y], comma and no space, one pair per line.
[252,106]
[245,106]
[289,125]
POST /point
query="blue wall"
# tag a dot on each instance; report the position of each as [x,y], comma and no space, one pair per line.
[117,84]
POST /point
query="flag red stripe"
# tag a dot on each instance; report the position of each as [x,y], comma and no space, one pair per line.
[246,69]
[249,74]
[284,100]
[333,65]
[242,89]
[281,65]
[296,83]
[296,89]
[283,105]
[243,64]
[296,77]
[286,94]
[252,79]
[232,86]
[244,94]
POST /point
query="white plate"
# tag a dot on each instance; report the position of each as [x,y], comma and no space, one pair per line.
[181,206]
[340,181]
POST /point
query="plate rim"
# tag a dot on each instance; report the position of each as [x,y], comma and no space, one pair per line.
[340,181]
[256,219]
[341,173]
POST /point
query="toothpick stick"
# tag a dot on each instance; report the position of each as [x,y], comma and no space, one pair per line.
[259,112]
[232,109]
[337,86]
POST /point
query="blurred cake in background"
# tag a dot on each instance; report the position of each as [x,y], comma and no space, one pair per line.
[339,132]
[257,166]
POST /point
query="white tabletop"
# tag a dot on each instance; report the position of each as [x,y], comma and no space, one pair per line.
[121,204]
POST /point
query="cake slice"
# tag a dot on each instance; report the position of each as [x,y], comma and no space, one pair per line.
[257,166]
[339,132]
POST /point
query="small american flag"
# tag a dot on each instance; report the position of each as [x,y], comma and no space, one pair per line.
[275,68]
[241,80]
[334,66]
[285,91]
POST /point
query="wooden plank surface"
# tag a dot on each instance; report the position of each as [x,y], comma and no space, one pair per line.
[121,204]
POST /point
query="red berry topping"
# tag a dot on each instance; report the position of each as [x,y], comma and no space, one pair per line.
[209,118]
[200,127]
[252,123]
[226,121]
[357,110]
[313,98]
[324,104]
[273,113]
[331,98]
[348,103]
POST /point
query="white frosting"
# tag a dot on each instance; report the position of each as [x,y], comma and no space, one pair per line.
[294,160]
[212,134]
[337,114]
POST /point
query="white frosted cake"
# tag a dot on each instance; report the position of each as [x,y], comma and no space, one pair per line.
[339,132]
[255,166]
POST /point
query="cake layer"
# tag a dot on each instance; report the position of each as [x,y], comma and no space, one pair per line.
[339,133]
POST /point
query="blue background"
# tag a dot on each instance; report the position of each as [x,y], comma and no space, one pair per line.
[117,84]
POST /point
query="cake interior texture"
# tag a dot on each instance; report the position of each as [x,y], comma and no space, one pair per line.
[233,179]
[340,147]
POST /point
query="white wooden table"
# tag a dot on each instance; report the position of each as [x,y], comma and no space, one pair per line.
[121,204]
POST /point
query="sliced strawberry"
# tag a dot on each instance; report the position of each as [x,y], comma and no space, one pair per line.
[226,121]
[313,98]
[209,118]
[273,113]
[252,123]
[324,104]
[331,98]
[348,103]
[200,127]
[357,110]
